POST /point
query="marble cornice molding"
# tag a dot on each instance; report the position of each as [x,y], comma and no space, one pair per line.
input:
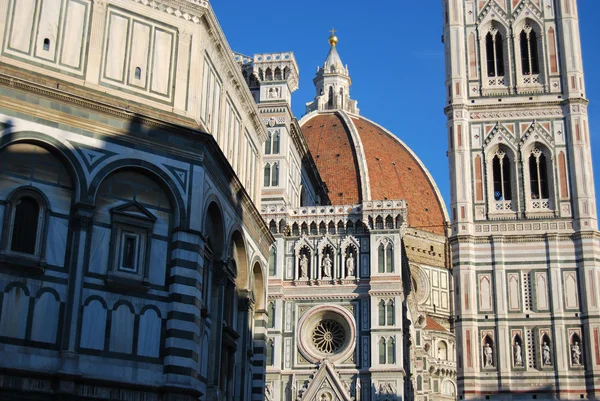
[524,238]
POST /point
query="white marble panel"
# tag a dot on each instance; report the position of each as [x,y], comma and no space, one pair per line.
[149,334]
[56,241]
[121,330]
[139,53]
[99,250]
[13,320]
[48,29]
[93,326]
[22,25]
[74,34]
[161,62]
[116,47]
[45,319]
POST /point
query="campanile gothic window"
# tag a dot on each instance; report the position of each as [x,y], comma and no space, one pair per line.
[529,51]
[494,49]
[501,176]
[538,174]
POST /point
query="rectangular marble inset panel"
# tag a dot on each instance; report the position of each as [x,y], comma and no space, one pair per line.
[47,33]
[56,244]
[288,353]
[21,25]
[74,34]
[114,62]
[435,279]
[289,268]
[365,352]
[161,62]
[99,250]
[139,54]
[444,300]
[541,291]
[514,292]
[364,266]
[485,292]
[570,290]
[158,262]
[289,314]
[444,280]
[365,314]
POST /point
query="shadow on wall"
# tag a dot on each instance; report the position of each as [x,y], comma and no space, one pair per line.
[119,220]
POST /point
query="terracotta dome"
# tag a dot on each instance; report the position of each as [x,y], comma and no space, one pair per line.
[360,161]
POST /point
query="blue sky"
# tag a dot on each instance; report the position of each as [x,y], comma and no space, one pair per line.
[396,60]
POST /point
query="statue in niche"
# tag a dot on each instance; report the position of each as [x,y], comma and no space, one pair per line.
[488,353]
[576,354]
[276,93]
[271,93]
[303,266]
[350,265]
[546,356]
[326,266]
[518,355]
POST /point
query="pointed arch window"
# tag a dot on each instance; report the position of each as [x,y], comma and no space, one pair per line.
[382,313]
[268,144]
[275,175]
[381,258]
[386,257]
[267,180]
[501,176]
[276,143]
[390,313]
[529,51]
[538,174]
[494,50]
[389,259]
[271,321]
[391,351]
[382,351]
[273,262]
[270,352]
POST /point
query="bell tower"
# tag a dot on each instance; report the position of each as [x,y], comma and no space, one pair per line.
[524,226]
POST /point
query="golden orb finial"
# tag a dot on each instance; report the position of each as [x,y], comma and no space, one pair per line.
[333,40]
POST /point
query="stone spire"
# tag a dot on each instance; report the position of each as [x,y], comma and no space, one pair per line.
[333,83]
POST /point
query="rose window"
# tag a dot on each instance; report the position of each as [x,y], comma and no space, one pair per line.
[329,336]
[327,331]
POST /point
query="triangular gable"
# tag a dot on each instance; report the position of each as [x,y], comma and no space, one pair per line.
[134,209]
[325,385]
[536,132]
[500,135]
